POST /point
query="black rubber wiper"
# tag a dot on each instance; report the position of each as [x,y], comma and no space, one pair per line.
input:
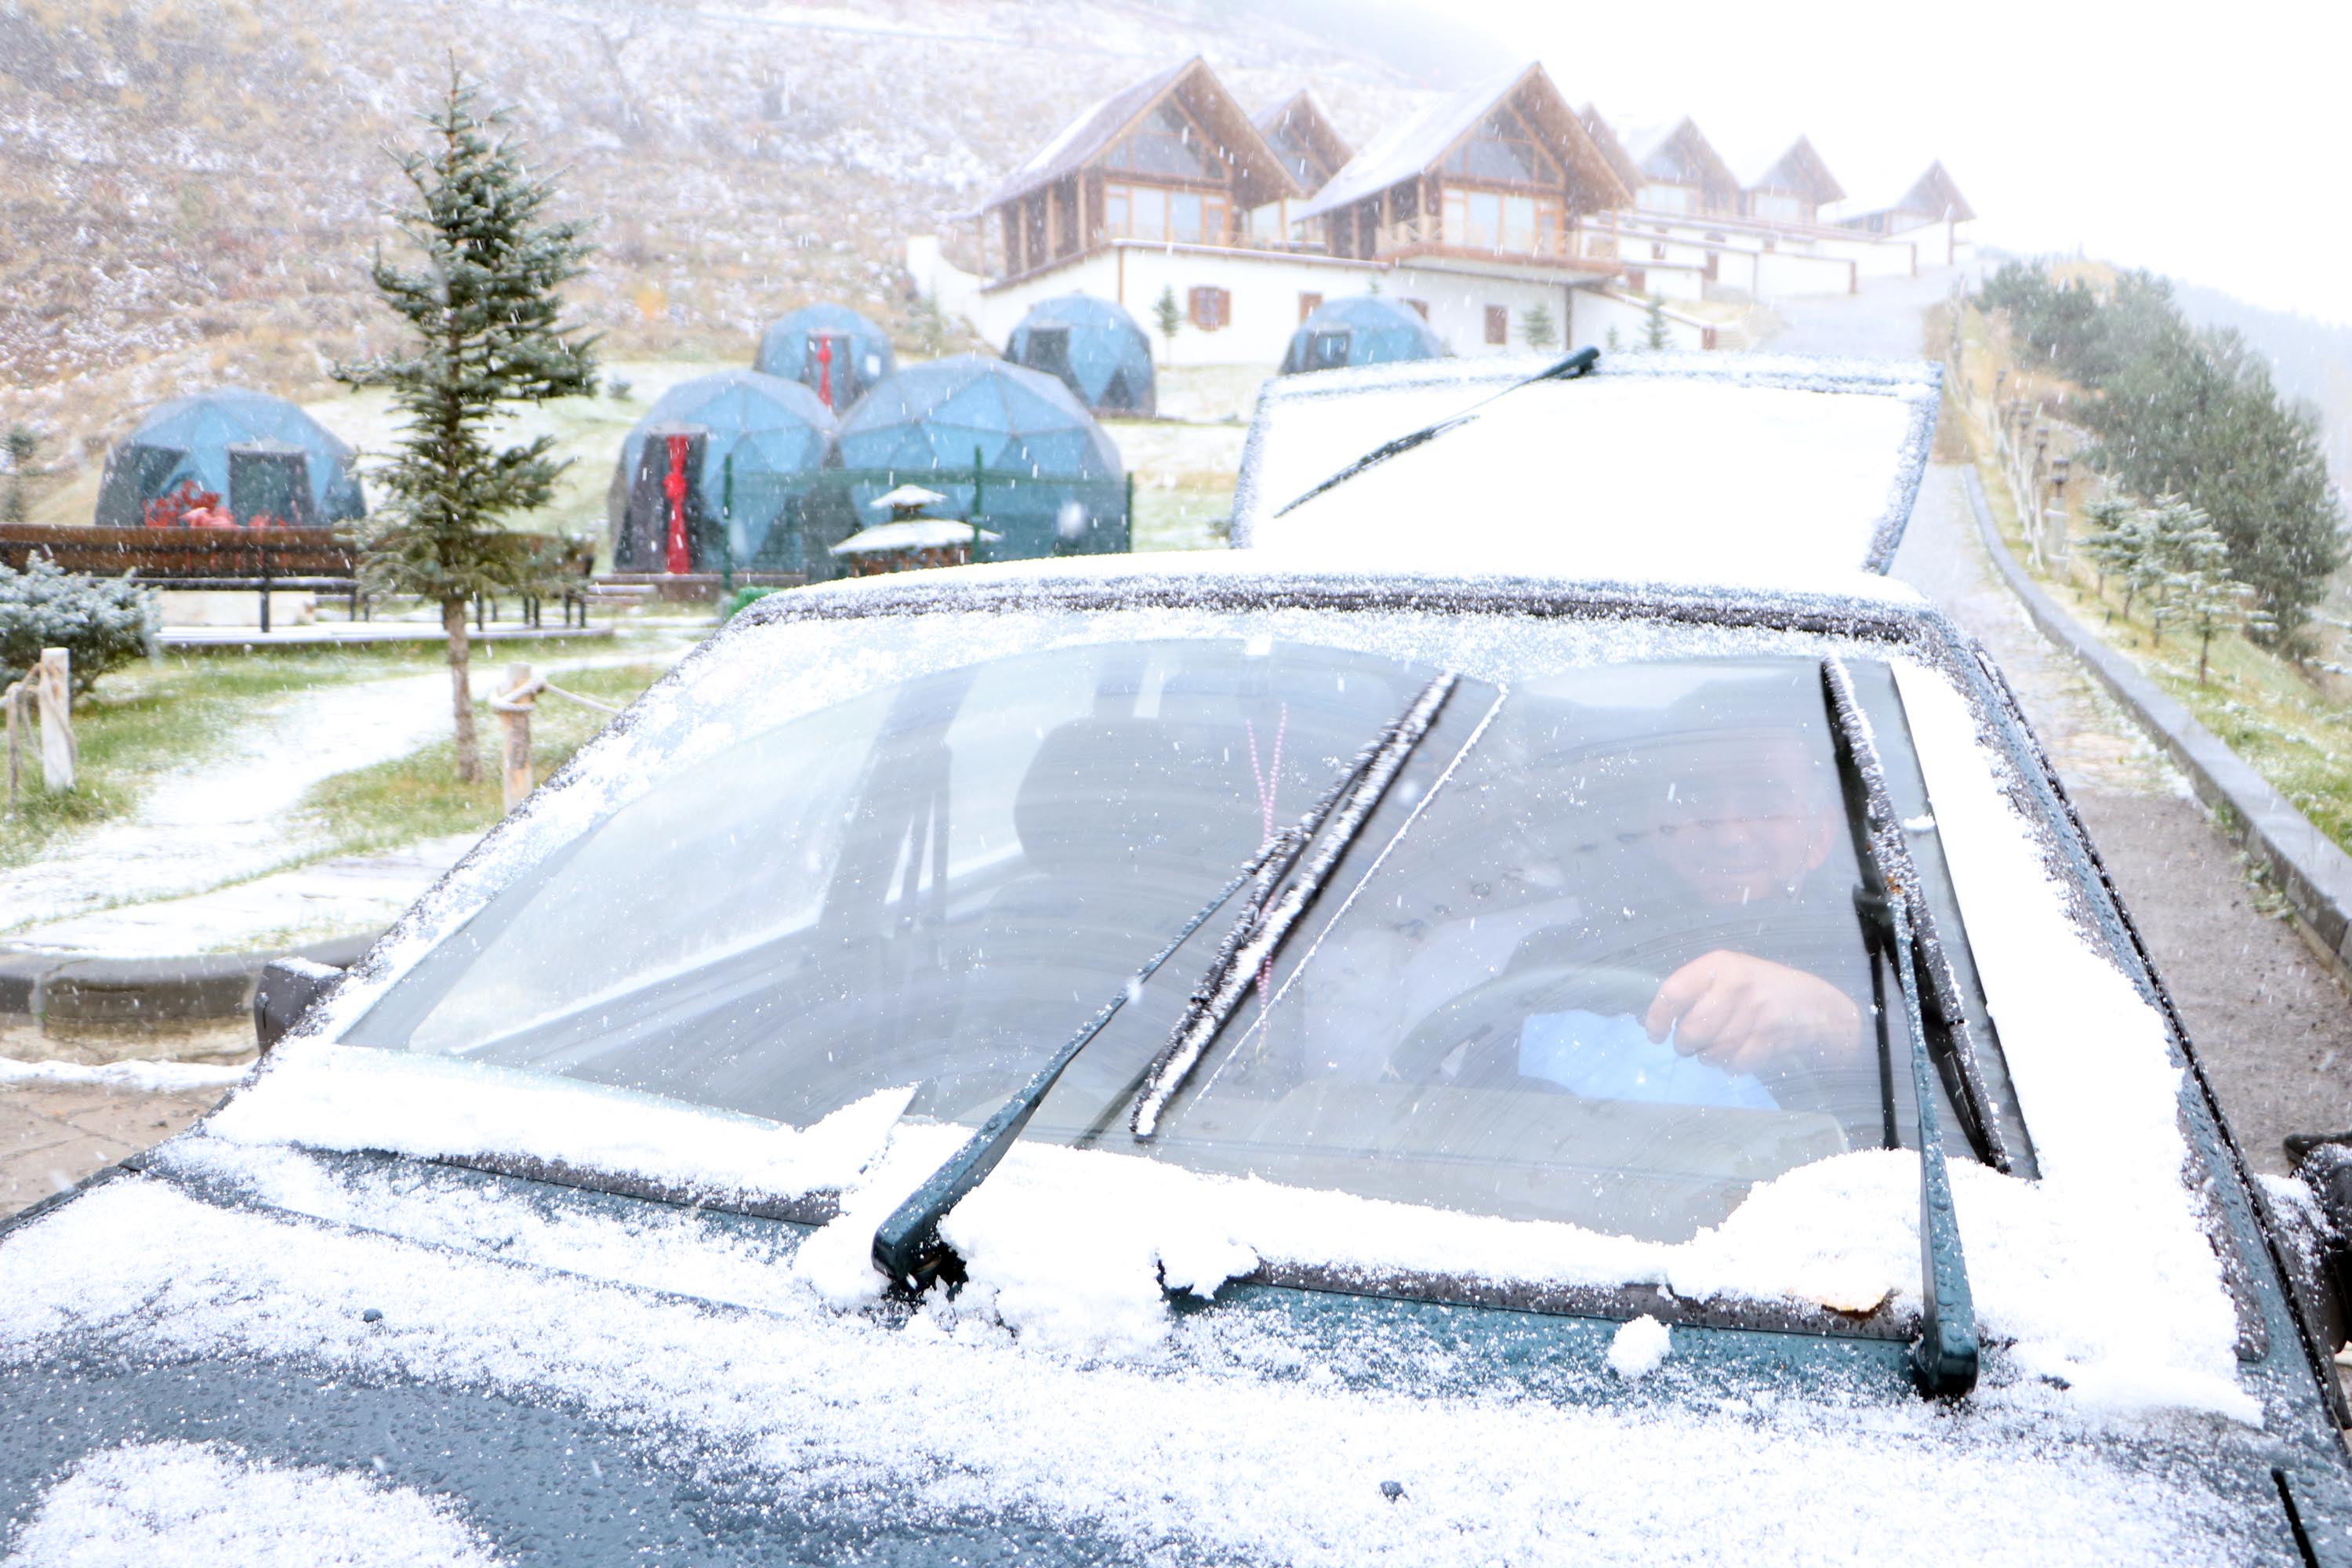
[1567,369]
[1944,1356]
[907,1248]
[1256,939]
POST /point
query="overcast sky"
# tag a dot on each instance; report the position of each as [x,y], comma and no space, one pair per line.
[2204,142]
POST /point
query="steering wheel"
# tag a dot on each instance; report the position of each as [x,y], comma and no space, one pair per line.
[1488,1014]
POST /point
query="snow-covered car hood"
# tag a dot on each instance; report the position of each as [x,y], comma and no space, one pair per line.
[290,1350]
[1764,469]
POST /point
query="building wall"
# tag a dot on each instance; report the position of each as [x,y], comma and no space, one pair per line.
[1265,289]
[1596,313]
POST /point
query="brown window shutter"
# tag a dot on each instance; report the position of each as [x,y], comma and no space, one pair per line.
[1308,304]
[1498,324]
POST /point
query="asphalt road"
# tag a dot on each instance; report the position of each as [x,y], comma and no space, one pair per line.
[2267,1018]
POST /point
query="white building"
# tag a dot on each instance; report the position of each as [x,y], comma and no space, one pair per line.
[1471,211]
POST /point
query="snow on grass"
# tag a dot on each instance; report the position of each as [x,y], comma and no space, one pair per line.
[1303,1419]
[182,1502]
[147,1077]
[234,817]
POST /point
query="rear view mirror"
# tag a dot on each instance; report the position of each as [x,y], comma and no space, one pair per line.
[287,989]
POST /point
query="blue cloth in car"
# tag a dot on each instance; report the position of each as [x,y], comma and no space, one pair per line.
[1612,1056]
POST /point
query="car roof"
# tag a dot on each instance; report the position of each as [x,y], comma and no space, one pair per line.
[1809,469]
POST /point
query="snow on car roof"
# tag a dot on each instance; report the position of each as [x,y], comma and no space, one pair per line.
[1763,470]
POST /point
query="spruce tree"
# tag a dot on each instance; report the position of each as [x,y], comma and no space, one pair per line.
[488,333]
[1168,314]
[1535,326]
[1654,335]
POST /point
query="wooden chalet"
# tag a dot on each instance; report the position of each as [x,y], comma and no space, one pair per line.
[1172,160]
[1310,148]
[1677,169]
[1791,186]
[1932,197]
[1499,171]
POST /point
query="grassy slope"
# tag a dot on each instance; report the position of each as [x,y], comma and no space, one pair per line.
[2289,723]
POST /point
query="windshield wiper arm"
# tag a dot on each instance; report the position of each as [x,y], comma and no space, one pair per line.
[1256,939]
[1567,369]
[1944,1356]
[907,1246]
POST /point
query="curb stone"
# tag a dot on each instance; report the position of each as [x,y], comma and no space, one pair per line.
[2314,875]
[63,988]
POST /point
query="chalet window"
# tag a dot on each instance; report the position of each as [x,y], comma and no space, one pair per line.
[1498,324]
[1308,304]
[1778,206]
[1493,220]
[1209,308]
[1421,307]
[1637,282]
[1166,144]
[1663,199]
[1150,212]
[1657,251]
[1503,149]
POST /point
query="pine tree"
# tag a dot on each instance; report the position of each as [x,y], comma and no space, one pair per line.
[20,449]
[487,316]
[1535,325]
[1654,335]
[1614,345]
[1167,314]
[2108,538]
[2147,564]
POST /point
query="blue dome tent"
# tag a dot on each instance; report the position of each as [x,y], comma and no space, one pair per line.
[761,449]
[1011,449]
[828,347]
[1093,347]
[1362,329]
[262,455]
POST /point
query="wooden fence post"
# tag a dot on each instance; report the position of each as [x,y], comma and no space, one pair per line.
[514,709]
[53,690]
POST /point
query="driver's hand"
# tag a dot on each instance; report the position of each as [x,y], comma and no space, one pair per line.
[1740,1012]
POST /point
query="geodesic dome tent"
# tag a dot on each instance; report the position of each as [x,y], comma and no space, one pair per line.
[827,348]
[1363,329]
[1011,448]
[758,449]
[1093,347]
[263,455]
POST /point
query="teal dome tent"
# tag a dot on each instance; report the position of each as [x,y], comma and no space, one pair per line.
[761,455]
[1093,347]
[1011,449]
[1363,329]
[261,456]
[827,348]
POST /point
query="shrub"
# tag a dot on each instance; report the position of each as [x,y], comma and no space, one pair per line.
[102,622]
[743,599]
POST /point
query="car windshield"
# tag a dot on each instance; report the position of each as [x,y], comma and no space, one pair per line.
[1594,957]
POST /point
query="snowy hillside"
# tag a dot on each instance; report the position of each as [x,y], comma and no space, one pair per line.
[192,187]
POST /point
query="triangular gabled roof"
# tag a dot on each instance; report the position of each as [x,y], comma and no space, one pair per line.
[1933,195]
[1301,119]
[1795,167]
[1682,141]
[1596,125]
[1416,144]
[1261,176]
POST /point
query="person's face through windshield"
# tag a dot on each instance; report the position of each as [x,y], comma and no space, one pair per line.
[1736,834]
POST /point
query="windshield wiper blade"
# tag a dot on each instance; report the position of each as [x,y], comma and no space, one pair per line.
[1256,939]
[1944,1356]
[907,1248]
[1567,369]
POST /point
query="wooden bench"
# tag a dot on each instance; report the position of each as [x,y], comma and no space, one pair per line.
[262,560]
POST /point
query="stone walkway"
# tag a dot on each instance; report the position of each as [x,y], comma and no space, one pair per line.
[53,1135]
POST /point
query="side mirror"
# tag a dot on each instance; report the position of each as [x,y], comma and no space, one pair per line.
[285,992]
[2320,1234]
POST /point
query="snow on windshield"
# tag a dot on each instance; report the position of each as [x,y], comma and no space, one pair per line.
[1782,474]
